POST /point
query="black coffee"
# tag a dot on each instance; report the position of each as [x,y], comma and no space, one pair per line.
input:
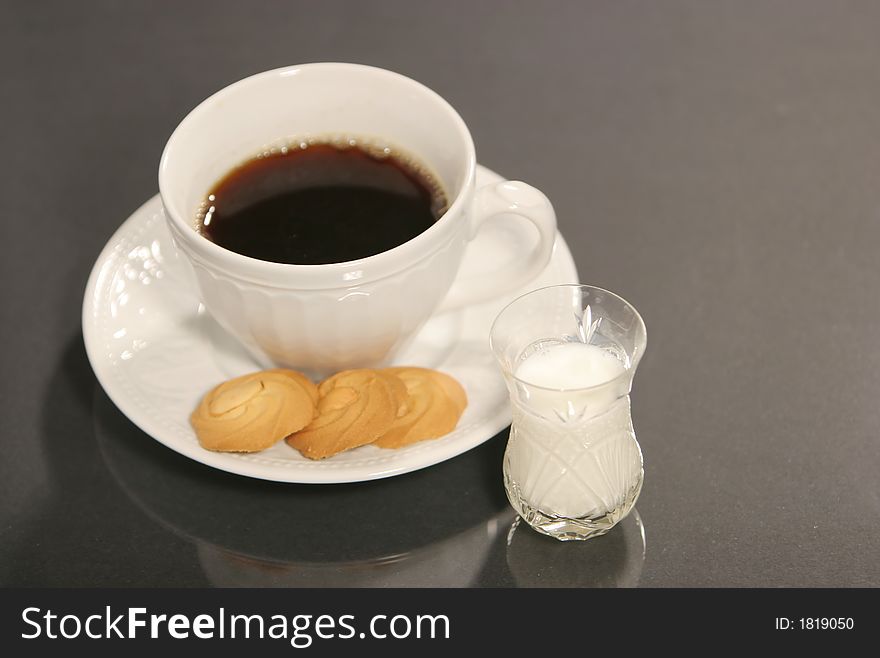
[321,204]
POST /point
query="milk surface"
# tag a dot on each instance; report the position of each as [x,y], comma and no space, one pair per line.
[569,366]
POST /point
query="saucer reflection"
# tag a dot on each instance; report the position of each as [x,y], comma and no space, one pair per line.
[612,560]
[454,562]
[437,527]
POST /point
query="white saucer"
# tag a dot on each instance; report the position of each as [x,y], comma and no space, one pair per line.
[156,351]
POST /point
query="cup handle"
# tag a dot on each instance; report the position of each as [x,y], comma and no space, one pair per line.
[506,198]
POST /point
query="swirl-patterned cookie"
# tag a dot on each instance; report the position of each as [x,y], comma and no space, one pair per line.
[252,412]
[355,408]
[435,402]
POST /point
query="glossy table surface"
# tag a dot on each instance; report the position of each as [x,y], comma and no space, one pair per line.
[714,163]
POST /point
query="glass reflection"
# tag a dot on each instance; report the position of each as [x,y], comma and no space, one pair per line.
[612,560]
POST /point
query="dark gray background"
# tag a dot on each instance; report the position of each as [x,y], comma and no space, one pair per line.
[716,163]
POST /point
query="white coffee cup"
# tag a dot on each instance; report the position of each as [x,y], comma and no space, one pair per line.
[325,318]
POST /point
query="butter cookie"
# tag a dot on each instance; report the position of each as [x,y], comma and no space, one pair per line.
[252,412]
[435,403]
[355,408]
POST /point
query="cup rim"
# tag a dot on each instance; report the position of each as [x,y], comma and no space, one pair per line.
[627,372]
[343,272]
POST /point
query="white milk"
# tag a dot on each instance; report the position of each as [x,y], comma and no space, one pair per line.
[570,365]
[573,453]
